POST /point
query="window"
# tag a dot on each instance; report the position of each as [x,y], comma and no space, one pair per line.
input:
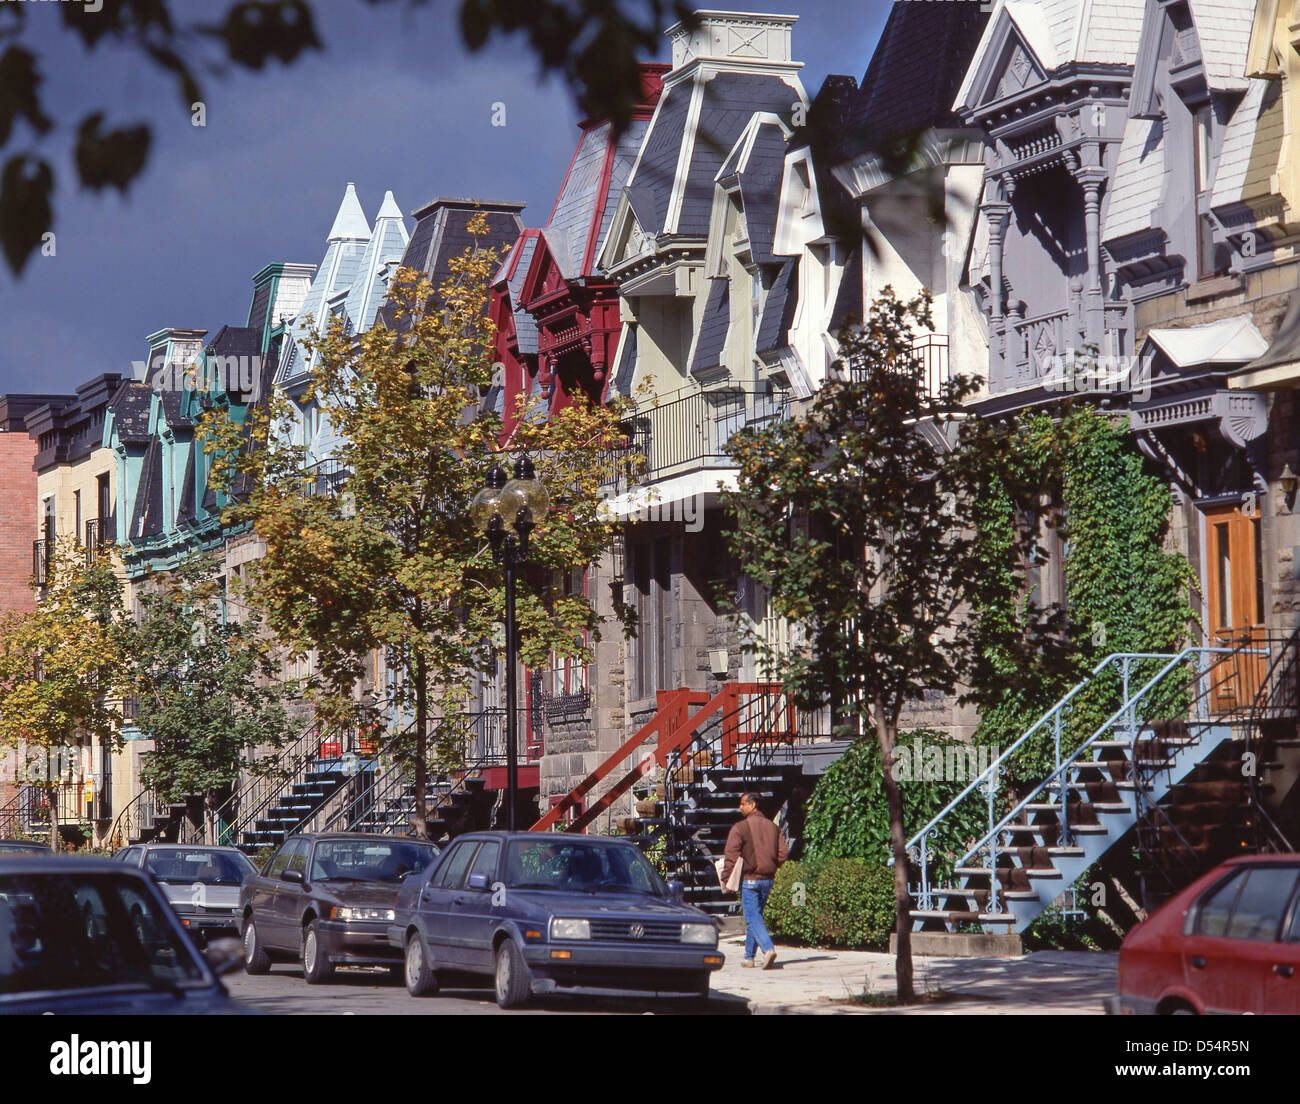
[485,862]
[452,873]
[280,863]
[651,562]
[1215,909]
[76,511]
[1262,902]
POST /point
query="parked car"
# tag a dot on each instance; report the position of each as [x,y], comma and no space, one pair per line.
[202,883]
[1229,942]
[23,847]
[95,936]
[327,900]
[540,913]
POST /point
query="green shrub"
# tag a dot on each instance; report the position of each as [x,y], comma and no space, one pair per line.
[833,903]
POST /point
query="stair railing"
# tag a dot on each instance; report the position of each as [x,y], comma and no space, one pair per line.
[398,780]
[138,814]
[989,843]
[1278,695]
[988,782]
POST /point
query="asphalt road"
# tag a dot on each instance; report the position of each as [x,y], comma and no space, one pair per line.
[356,991]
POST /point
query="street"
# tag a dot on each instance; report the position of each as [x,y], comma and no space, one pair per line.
[358,991]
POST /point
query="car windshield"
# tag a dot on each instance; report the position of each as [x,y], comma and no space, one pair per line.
[198,864]
[574,865]
[79,931]
[370,860]
[21,847]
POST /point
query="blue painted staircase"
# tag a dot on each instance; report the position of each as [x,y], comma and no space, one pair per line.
[1160,780]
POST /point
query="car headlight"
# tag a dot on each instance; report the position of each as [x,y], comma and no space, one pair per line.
[570,929]
[700,933]
[337,913]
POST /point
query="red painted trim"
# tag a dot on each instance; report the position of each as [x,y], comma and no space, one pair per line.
[598,213]
[494,778]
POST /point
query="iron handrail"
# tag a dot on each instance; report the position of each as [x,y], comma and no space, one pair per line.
[989,841]
[1260,703]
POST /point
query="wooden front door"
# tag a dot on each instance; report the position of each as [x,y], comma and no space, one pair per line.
[1234,562]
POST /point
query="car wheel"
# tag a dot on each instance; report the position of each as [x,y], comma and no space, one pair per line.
[513,984]
[420,979]
[256,960]
[316,966]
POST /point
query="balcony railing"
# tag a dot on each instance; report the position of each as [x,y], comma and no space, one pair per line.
[690,432]
[41,550]
[325,477]
[99,535]
[930,358]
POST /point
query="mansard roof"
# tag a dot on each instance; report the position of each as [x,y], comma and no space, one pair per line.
[712,335]
[1251,148]
[1223,26]
[130,411]
[695,126]
[1025,41]
[512,274]
[918,63]
[778,309]
[754,166]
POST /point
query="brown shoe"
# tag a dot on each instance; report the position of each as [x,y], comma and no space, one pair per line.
[769,958]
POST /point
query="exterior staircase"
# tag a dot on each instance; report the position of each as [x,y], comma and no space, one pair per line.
[707,750]
[1155,793]
[147,818]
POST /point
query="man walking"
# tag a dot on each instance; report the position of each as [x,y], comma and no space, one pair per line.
[761,848]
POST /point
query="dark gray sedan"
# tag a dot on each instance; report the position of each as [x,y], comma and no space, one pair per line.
[90,935]
[540,913]
[327,900]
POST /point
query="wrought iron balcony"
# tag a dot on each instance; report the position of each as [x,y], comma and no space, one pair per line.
[930,359]
[100,534]
[325,477]
[41,551]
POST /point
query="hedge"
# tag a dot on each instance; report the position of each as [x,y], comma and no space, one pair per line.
[833,903]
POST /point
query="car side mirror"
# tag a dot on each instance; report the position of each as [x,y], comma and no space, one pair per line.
[479,881]
[224,956]
[293,876]
[676,889]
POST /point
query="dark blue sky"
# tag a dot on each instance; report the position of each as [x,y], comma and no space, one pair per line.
[394,101]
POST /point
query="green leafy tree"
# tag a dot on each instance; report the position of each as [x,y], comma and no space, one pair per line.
[393,561]
[65,668]
[208,686]
[863,527]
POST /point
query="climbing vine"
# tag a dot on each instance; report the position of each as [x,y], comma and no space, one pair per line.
[1078,475]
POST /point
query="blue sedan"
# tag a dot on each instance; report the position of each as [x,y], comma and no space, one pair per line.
[540,913]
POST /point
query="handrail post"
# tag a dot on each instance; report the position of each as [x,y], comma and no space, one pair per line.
[925,902]
[994,905]
[1056,770]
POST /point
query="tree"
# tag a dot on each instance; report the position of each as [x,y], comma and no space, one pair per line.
[863,526]
[65,668]
[208,688]
[391,560]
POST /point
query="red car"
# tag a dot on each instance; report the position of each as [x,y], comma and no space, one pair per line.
[1229,942]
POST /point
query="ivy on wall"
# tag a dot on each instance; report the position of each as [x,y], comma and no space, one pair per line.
[1125,591]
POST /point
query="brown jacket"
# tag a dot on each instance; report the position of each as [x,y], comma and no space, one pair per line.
[759,843]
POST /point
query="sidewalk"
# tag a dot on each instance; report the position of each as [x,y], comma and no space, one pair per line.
[818,981]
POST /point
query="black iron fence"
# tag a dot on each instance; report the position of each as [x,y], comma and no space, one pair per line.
[99,535]
[41,552]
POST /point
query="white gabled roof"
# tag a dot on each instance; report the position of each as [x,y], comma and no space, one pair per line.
[1223,28]
[350,223]
[1057,32]
[1252,142]
[1138,182]
[1229,341]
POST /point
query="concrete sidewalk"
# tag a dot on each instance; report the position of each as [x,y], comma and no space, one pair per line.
[814,980]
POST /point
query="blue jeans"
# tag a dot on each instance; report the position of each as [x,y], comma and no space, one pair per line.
[753,896]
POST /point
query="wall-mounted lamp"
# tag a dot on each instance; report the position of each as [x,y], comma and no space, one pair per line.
[1289,482]
[718,662]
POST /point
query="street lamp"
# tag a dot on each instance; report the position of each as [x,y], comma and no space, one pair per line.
[522,504]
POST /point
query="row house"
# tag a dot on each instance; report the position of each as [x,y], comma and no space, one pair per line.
[59,486]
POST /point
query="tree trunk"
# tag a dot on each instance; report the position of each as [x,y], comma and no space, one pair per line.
[210,818]
[421,727]
[52,795]
[887,733]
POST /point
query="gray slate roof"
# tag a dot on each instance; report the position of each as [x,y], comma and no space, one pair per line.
[713,330]
[778,309]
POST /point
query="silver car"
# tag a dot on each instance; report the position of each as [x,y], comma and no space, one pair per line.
[201,883]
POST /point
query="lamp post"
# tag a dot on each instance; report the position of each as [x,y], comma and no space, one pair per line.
[522,504]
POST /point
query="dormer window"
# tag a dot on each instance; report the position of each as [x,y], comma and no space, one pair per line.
[802,188]
[1203,144]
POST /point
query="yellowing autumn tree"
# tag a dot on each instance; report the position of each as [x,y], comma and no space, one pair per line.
[65,668]
[389,559]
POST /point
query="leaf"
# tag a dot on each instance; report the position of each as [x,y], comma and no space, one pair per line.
[25,213]
[114,157]
[254,31]
[19,82]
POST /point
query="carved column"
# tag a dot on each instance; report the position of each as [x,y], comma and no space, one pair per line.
[1094,318]
[997,215]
